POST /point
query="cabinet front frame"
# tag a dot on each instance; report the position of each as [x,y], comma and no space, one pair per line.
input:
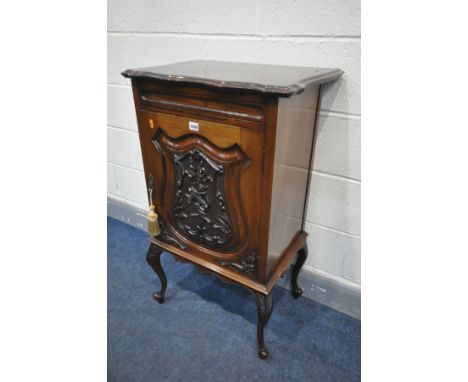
[256,177]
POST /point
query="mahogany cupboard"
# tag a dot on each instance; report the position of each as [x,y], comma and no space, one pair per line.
[227,152]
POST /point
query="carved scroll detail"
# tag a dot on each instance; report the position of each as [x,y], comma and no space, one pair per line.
[264,309]
[264,304]
[166,237]
[247,265]
[199,206]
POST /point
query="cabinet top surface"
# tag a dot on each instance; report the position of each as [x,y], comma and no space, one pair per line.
[268,79]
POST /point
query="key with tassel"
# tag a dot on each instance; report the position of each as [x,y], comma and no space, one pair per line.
[153,224]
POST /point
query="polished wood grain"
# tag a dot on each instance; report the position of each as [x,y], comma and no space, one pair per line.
[295,131]
[220,134]
[267,79]
[218,105]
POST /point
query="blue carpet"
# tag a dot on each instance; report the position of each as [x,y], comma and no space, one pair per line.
[206,329]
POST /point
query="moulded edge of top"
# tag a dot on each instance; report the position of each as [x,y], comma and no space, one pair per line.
[285,91]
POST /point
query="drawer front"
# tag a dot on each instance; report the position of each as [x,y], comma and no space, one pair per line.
[207,186]
[241,110]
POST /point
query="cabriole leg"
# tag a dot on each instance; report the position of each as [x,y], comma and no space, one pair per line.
[264,308]
[154,260]
[301,258]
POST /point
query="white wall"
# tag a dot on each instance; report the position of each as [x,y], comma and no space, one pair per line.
[301,33]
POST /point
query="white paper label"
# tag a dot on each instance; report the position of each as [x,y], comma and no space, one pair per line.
[193,126]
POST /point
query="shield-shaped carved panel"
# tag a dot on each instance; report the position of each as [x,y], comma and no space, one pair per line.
[202,200]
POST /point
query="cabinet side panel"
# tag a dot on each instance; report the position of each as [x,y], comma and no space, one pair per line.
[294,138]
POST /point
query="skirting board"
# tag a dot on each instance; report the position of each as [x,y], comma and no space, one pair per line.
[318,288]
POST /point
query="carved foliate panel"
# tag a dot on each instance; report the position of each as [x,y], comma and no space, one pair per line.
[166,236]
[247,264]
[201,195]
[199,207]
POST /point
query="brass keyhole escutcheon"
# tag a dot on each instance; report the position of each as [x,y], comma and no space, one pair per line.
[151,124]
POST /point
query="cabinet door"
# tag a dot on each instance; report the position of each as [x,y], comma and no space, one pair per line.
[201,189]
[207,186]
